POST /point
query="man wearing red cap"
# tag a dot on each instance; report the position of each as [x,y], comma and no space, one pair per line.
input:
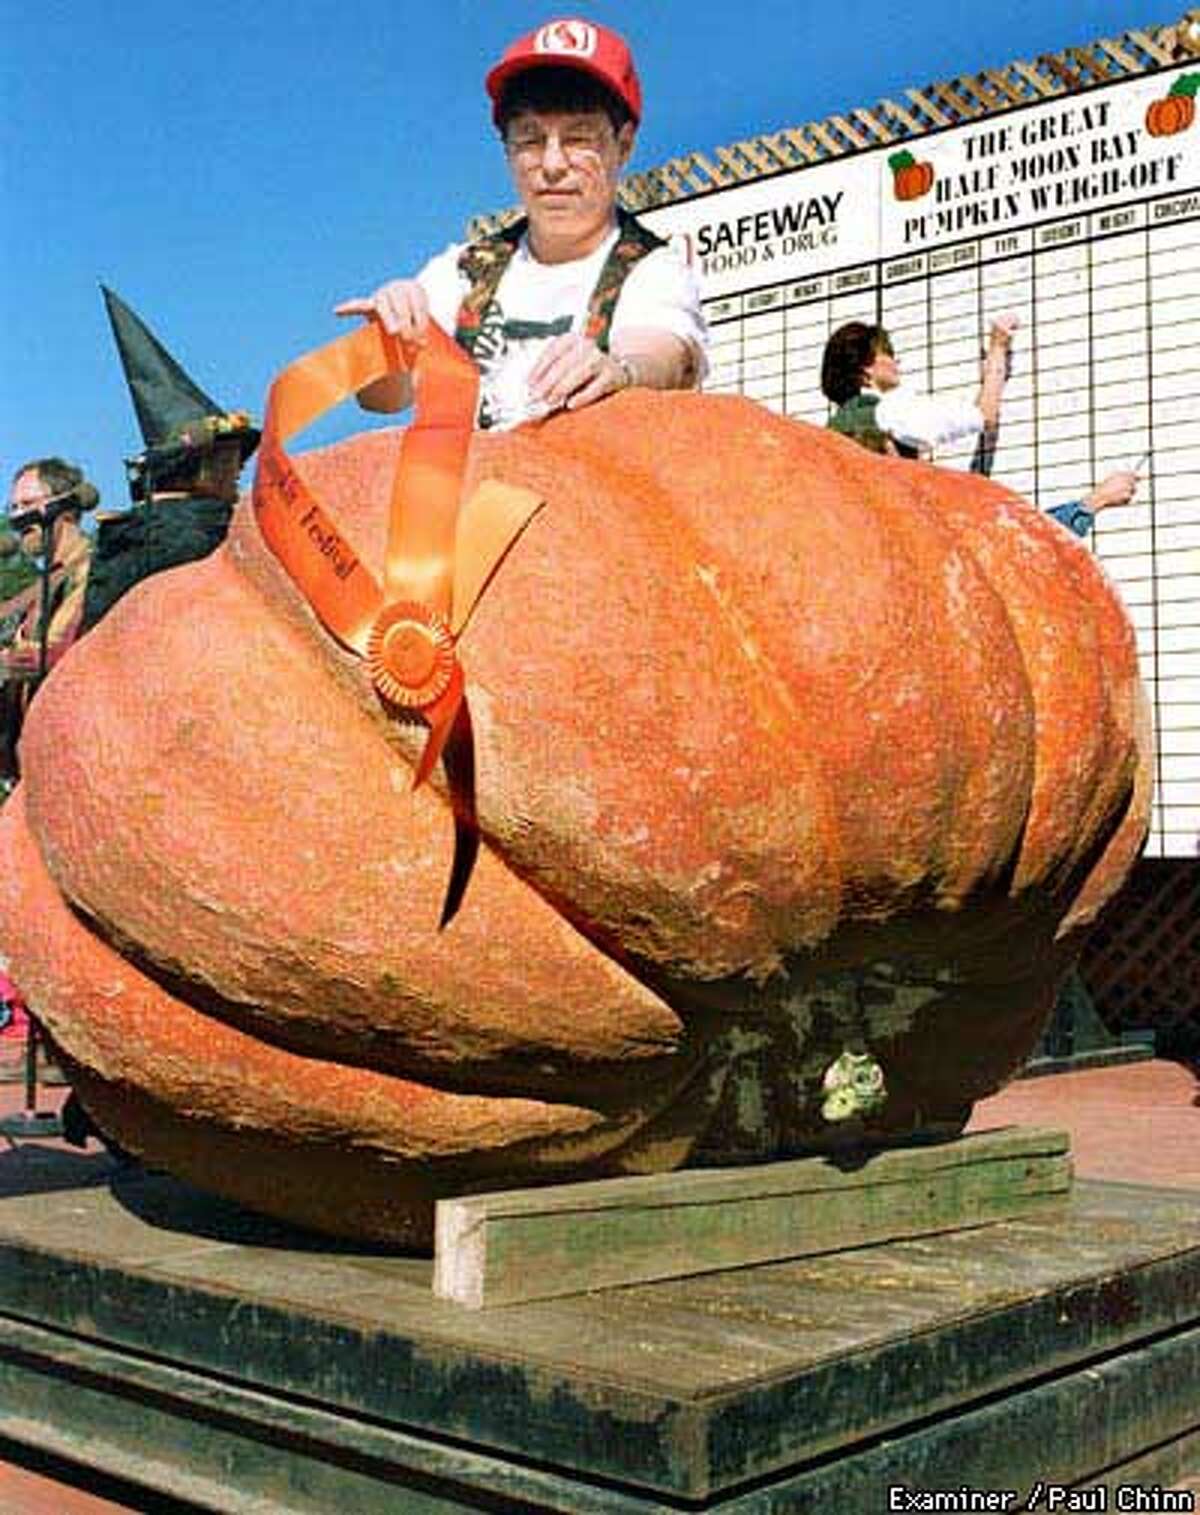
[577,300]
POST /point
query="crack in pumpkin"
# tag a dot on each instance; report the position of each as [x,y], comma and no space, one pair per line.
[738,623]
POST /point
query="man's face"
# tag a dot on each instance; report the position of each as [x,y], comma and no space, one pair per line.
[28,493]
[565,165]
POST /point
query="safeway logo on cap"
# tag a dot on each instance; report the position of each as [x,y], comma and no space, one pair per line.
[575,37]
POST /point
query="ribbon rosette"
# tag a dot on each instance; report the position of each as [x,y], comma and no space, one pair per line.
[441,552]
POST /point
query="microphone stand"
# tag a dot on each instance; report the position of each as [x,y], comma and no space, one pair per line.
[32,1122]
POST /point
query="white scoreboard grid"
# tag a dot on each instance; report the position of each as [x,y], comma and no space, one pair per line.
[1080,214]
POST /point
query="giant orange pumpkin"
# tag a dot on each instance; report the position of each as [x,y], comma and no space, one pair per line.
[780,748]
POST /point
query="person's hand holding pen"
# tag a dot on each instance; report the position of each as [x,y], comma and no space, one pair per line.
[997,364]
[1116,488]
[1002,330]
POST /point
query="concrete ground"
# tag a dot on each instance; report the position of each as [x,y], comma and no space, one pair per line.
[1136,1123]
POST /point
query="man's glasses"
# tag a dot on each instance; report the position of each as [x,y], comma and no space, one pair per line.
[528,144]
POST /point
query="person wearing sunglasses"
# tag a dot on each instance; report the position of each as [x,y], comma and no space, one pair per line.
[575,300]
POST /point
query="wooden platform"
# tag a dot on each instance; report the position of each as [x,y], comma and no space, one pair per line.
[148,1331]
[545,1243]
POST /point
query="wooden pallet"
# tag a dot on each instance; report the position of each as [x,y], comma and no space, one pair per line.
[200,1353]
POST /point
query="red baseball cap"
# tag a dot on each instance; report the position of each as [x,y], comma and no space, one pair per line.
[572,43]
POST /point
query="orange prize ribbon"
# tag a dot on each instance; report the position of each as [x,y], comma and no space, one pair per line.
[440,555]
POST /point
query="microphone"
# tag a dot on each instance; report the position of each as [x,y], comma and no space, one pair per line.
[45,515]
[23,520]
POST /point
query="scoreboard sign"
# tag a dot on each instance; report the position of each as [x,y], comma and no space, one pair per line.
[1081,215]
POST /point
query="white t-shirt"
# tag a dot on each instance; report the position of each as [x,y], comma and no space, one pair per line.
[927,421]
[659,291]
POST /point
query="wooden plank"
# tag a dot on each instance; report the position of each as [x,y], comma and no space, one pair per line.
[922,102]
[975,92]
[731,165]
[827,140]
[782,148]
[752,149]
[738,168]
[1047,87]
[1151,45]
[494,1249]
[875,129]
[952,97]
[1096,63]
[800,144]
[1127,62]
[905,117]
[1060,68]
[852,136]
[634,194]
[1010,91]
[692,172]
[670,177]
[717,175]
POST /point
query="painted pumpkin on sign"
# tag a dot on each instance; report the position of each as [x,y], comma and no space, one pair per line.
[781,751]
[912,179]
[1176,111]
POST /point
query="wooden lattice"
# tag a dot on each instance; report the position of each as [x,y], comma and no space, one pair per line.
[921,110]
[1141,965]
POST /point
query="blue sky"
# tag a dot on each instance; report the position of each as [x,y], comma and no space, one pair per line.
[232,170]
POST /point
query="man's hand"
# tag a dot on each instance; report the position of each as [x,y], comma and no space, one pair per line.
[573,372]
[401,308]
[1116,489]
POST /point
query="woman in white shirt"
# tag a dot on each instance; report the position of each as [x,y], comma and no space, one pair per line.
[861,375]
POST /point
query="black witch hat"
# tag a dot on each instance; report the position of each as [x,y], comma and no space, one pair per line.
[177,419]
